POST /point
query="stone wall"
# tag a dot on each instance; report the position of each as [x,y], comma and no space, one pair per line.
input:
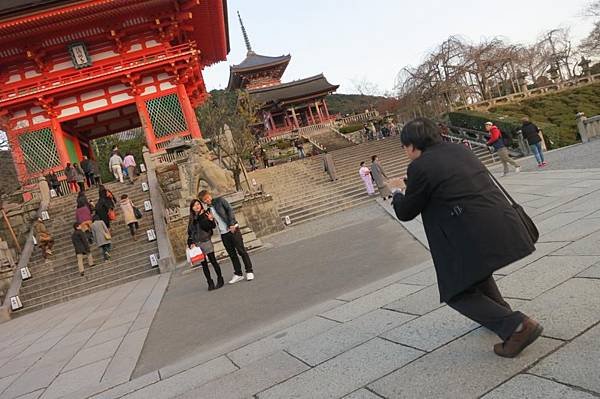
[20,217]
[261,215]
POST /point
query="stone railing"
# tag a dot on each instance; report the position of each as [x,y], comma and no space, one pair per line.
[351,138]
[359,118]
[538,91]
[314,129]
[166,258]
[588,128]
[17,281]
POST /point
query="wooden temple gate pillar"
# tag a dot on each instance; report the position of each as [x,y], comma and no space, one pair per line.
[59,141]
[325,107]
[146,123]
[188,112]
[319,112]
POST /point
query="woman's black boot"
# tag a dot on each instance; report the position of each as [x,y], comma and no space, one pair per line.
[211,285]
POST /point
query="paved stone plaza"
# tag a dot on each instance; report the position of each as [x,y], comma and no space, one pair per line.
[390,338]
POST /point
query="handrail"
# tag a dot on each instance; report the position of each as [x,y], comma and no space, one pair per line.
[166,257]
[17,280]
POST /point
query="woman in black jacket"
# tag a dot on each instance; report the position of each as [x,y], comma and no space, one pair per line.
[471,228]
[200,230]
[103,207]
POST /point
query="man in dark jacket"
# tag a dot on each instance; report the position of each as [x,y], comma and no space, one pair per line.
[461,209]
[533,136]
[497,142]
[82,248]
[87,170]
[230,234]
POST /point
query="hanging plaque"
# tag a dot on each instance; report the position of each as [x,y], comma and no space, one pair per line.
[25,273]
[144,186]
[79,55]
[45,215]
[147,205]
[142,168]
[153,260]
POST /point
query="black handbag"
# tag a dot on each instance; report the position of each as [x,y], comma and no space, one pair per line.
[530,226]
[138,214]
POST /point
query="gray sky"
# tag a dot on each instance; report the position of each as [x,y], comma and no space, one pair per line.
[351,40]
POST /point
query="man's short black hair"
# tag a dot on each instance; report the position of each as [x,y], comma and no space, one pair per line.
[421,133]
[203,194]
[373,158]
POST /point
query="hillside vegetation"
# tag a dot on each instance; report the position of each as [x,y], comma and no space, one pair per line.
[554,113]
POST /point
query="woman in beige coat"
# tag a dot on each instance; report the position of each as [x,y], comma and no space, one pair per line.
[127,208]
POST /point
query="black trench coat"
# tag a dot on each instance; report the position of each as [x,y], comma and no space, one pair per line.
[471,227]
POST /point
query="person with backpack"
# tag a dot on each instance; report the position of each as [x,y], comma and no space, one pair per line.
[533,135]
[497,142]
[82,248]
[200,230]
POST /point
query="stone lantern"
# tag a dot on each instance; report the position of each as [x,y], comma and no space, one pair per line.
[177,145]
[553,73]
[585,66]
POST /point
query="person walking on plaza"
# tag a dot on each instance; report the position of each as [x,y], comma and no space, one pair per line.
[231,235]
[497,142]
[102,237]
[472,231]
[129,217]
[380,178]
[365,175]
[129,164]
[82,248]
[43,238]
[300,147]
[200,231]
[115,164]
[80,176]
[533,135]
[71,176]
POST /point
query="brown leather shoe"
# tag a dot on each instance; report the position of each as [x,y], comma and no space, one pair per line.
[520,340]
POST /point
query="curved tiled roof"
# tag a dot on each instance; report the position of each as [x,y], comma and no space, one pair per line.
[255,61]
[295,90]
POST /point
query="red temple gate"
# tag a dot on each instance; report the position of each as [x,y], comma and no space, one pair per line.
[73,71]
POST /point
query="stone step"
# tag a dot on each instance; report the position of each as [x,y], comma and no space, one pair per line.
[332,210]
[67,267]
[32,307]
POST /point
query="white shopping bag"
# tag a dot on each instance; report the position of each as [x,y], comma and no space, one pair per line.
[194,256]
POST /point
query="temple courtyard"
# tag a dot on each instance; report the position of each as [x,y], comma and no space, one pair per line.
[342,307]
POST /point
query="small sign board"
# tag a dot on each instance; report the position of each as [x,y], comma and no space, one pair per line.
[288,221]
[154,260]
[147,205]
[25,273]
[151,235]
[142,168]
[45,215]
[79,55]
[53,193]
[15,303]
[144,186]
[34,240]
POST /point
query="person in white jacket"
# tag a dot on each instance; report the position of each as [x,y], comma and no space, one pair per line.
[115,164]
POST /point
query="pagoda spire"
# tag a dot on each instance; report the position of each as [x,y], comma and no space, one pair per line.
[248,46]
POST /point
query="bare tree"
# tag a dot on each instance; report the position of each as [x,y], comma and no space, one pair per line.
[590,46]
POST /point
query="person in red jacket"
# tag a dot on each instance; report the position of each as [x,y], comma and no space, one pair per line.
[497,142]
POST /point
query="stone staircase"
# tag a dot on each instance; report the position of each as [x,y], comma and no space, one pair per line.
[330,140]
[305,192]
[59,280]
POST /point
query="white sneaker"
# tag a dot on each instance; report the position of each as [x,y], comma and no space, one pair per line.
[517,169]
[236,279]
[249,276]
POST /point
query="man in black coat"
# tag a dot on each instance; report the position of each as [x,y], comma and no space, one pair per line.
[230,234]
[533,136]
[471,228]
[82,248]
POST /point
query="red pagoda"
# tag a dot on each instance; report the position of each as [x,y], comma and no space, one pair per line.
[284,106]
[75,70]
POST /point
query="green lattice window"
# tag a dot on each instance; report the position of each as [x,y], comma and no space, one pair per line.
[166,115]
[39,150]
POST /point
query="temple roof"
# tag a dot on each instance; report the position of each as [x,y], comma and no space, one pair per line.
[254,63]
[292,91]
[9,7]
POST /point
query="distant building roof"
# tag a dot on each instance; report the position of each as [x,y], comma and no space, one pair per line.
[295,90]
[254,63]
